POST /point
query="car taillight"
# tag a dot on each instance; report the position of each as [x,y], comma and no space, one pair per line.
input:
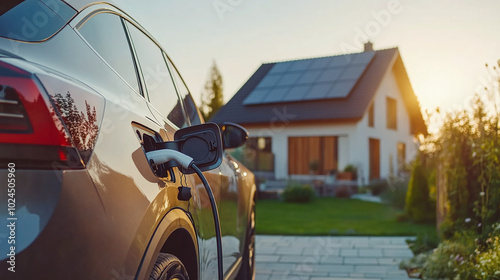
[13,117]
[31,132]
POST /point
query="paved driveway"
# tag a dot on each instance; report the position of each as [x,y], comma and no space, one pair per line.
[330,258]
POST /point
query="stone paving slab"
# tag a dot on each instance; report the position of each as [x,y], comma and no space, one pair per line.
[330,258]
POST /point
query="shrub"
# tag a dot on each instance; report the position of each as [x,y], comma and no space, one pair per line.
[350,168]
[484,263]
[378,186]
[418,206]
[424,243]
[446,229]
[363,189]
[395,195]
[465,257]
[488,262]
[402,217]
[417,261]
[343,191]
[444,262]
[296,192]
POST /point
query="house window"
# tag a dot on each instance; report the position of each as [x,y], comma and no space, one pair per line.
[371,117]
[401,156]
[312,155]
[392,121]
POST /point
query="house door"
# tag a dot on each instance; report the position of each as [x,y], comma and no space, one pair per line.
[374,150]
[303,151]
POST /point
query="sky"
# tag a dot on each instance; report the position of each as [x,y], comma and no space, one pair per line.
[444,44]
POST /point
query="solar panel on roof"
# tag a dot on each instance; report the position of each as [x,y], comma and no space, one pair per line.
[276,95]
[301,65]
[352,72]
[341,89]
[280,67]
[269,81]
[289,79]
[318,91]
[256,97]
[310,79]
[297,93]
[330,75]
[309,76]
[320,63]
[340,61]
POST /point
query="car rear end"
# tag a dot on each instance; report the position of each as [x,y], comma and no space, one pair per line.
[51,213]
[51,209]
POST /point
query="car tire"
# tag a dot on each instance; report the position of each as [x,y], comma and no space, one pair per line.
[168,267]
[247,270]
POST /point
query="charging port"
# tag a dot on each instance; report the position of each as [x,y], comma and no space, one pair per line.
[162,171]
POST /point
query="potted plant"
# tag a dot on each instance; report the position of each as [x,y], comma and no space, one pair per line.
[349,173]
[313,167]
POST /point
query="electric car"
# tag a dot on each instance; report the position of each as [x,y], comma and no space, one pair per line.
[85,94]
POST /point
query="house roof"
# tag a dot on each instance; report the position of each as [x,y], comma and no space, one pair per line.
[267,96]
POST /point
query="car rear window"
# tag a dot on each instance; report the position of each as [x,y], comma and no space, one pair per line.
[33,20]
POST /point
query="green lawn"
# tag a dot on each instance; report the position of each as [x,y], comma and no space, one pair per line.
[333,216]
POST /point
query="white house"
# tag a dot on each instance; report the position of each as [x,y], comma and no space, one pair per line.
[327,113]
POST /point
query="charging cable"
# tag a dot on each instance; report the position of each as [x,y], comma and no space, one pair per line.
[165,155]
[215,213]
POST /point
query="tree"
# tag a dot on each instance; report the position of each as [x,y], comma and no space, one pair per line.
[418,205]
[212,99]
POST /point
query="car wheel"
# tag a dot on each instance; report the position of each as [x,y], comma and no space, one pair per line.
[168,267]
[247,270]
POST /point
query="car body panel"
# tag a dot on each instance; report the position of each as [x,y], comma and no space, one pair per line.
[75,229]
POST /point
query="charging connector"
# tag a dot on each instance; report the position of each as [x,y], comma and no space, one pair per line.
[165,155]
